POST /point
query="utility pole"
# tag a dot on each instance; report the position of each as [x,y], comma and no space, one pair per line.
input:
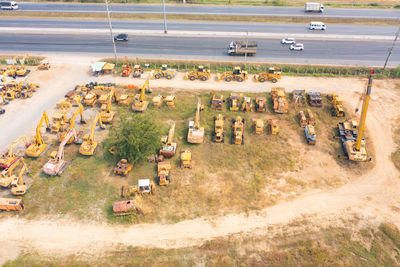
[165,17]
[111,32]
[391,49]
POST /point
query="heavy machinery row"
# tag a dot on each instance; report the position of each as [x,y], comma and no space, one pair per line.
[104,95]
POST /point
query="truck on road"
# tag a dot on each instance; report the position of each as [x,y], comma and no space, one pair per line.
[242,48]
[314,7]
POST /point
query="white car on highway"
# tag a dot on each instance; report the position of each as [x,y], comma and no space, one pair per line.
[297,47]
[288,41]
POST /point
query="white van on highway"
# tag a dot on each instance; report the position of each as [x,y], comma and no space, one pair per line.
[317,25]
[8,5]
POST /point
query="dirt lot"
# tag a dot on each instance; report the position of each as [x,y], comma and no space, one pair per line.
[369,194]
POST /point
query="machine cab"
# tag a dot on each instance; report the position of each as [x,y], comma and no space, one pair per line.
[236,70]
[164,67]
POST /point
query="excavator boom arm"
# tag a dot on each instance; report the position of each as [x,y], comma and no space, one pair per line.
[197,120]
[39,139]
[364,111]
[96,119]
[60,152]
[10,151]
[171,134]
[78,111]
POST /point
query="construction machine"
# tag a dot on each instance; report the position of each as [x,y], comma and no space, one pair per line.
[348,130]
[126,99]
[234,100]
[236,75]
[145,186]
[18,187]
[168,148]
[163,72]
[139,103]
[200,73]
[21,70]
[146,86]
[186,159]
[337,109]
[89,144]
[123,167]
[8,158]
[137,71]
[272,75]
[157,101]
[280,104]
[59,120]
[170,101]
[11,70]
[314,99]
[90,99]
[7,176]
[196,132]
[311,136]
[302,119]
[44,65]
[355,150]
[258,126]
[273,127]
[247,104]
[217,102]
[56,164]
[71,125]
[311,118]
[164,174]
[261,103]
[107,115]
[219,135]
[238,131]
[126,69]
[37,144]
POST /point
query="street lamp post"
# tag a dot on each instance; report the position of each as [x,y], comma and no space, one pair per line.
[165,17]
[391,49]
[111,33]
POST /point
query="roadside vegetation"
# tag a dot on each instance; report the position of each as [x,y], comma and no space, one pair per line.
[396,138]
[29,61]
[328,247]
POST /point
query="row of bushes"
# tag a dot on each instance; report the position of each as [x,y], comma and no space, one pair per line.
[288,69]
[29,61]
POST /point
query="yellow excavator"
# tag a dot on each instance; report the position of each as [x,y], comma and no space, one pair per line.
[37,144]
[6,176]
[71,125]
[18,187]
[56,164]
[9,158]
[89,144]
[355,150]
[107,115]
[140,104]
[196,133]
[11,70]
[21,70]
[168,149]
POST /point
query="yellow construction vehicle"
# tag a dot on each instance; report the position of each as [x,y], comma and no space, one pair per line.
[355,150]
[261,103]
[11,70]
[272,75]
[140,104]
[71,125]
[76,100]
[164,175]
[145,186]
[163,72]
[123,167]
[37,144]
[218,134]
[146,86]
[247,104]
[126,69]
[6,176]
[273,127]
[186,159]
[236,75]
[168,149]
[302,119]
[18,187]
[126,99]
[21,70]
[280,104]
[157,101]
[9,158]
[170,101]
[258,126]
[196,132]
[56,164]
[234,100]
[44,65]
[337,109]
[200,73]
[59,120]
[238,133]
[217,102]
[137,71]
[311,136]
[311,118]
[107,115]
[89,144]
[90,99]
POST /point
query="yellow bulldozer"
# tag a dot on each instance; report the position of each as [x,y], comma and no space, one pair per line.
[337,109]
[272,75]
[258,126]
[186,159]
[163,72]
[196,132]
[37,144]
[89,144]
[236,75]
[238,131]
[218,134]
[200,73]
[164,174]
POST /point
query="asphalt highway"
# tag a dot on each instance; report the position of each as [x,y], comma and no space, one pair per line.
[367,53]
[216,10]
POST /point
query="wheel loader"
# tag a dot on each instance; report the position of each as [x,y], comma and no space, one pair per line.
[236,75]
[163,72]
[238,133]
[200,73]
[219,135]
[272,75]
[164,174]
[261,103]
[258,126]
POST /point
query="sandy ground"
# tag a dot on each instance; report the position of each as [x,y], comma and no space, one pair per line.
[372,197]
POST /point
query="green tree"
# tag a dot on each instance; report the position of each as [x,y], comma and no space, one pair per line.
[133,138]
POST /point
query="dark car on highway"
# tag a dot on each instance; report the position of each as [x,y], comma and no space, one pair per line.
[121,37]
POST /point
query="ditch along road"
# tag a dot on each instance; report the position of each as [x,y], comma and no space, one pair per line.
[373,197]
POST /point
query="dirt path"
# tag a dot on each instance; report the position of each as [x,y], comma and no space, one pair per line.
[373,197]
